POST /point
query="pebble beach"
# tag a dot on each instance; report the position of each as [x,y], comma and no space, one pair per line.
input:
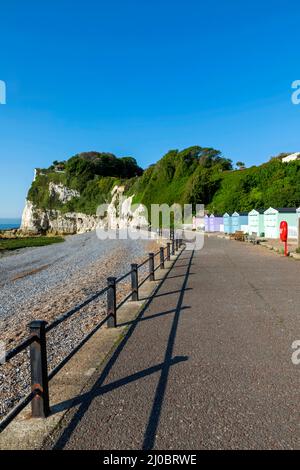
[45,282]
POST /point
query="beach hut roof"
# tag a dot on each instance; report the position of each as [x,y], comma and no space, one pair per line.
[253,211]
[240,213]
[270,210]
[281,210]
[286,210]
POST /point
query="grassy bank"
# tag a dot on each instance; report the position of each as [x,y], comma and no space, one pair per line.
[16,243]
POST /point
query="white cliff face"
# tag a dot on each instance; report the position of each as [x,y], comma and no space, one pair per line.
[64,194]
[120,214]
[35,220]
[140,217]
[28,218]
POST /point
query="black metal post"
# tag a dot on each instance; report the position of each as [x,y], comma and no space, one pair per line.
[151,266]
[162,257]
[40,407]
[173,246]
[177,244]
[168,251]
[111,303]
[134,282]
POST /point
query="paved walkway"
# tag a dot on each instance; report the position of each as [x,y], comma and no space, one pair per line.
[208,365]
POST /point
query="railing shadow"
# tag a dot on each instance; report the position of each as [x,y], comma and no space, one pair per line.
[98,388]
[168,293]
[149,437]
[180,275]
[114,385]
[156,315]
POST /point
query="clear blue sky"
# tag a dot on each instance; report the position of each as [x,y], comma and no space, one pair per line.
[138,77]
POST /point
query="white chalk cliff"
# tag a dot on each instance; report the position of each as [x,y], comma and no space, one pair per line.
[62,193]
[119,213]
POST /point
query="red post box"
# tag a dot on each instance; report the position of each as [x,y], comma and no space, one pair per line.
[284,235]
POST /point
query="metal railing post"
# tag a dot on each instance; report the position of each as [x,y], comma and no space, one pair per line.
[111,303]
[177,244]
[173,246]
[134,282]
[40,407]
[151,266]
[162,257]
[168,251]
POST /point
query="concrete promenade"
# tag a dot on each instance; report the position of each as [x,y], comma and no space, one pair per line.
[207,365]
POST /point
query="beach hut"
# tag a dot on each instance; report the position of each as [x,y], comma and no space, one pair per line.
[215,222]
[256,222]
[298,220]
[227,223]
[235,222]
[239,221]
[244,221]
[198,223]
[206,223]
[289,214]
[273,217]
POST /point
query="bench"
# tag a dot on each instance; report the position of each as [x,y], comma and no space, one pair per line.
[239,236]
[252,238]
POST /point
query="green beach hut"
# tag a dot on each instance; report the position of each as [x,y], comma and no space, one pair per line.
[256,222]
[273,217]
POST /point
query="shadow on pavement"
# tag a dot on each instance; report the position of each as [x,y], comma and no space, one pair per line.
[98,388]
[150,317]
[149,437]
[114,385]
[166,293]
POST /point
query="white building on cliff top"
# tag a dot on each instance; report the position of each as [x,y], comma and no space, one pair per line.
[292,157]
